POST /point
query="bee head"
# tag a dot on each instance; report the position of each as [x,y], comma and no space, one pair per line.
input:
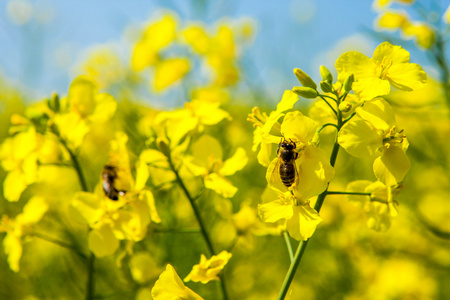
[288,145]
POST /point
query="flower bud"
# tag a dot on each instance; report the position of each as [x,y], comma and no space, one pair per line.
[305,92]
[345,106]
[54,103]
[163,146]
[304,79]
[326,87]
[326,75]
[348,83]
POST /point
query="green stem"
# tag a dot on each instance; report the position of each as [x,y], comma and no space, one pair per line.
[442,64]
[320,199]
[90,279]
[323,98]
[76,165]
[325,125]
[288,245]
[59,243]
[199,218]
[348,193]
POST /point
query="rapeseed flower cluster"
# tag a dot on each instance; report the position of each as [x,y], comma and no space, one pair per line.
[151,190]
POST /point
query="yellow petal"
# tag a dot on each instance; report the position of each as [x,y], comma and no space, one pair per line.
[13,185]
[354,63]
[298,127]
[378,113]
[208,113]
[407,77]
[81,97]
[369,88]
[359,138]
[235,163]
[303,222]
[143,267]
[220,185]
[169,71]
[170,287]
[162,32]
[102,241]
[197,38]
[287,101]
[33,211]
[314,173]
[150,200]
[390,53]
[144,55]
[104,109]
[392,19]
[275,211]
[391,166]
[88,206]
[13,249]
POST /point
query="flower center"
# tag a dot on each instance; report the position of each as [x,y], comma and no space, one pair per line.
[383,68]
[393,137]
[257,118]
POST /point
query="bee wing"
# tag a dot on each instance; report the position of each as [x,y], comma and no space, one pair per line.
[273,174]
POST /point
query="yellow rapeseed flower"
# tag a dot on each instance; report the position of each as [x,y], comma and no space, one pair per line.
[169,286]
[208,269]
[373,132]
[388,66]
[19,227]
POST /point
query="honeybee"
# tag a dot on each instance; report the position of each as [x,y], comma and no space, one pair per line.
[285,168]
[109,176]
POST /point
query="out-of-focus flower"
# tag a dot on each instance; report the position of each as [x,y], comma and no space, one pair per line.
[267,127]
[380,4]
[82,106]
[392,20]
[177,124]
[104,65]
[21,226]
[219,52]
[301,219]
[208,269]
[127,218]
[379,207]
[169,286]
[18,155]
[373,132]
[206,161]
[446,16]
[156,37]
[143,267]
[422,33]
[147,53]
[388,66]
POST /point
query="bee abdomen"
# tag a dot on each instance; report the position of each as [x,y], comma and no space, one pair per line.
[287,174]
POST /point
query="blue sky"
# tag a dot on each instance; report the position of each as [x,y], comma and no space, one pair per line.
[291,33]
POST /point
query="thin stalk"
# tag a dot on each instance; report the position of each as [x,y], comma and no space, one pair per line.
[76,165]
[90,279]
[323,98]
[292,268]
[194,208]
[90,262]
[326,125]
[320,199]
[348,193]
[58,243]
[288,245]
[199,218]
